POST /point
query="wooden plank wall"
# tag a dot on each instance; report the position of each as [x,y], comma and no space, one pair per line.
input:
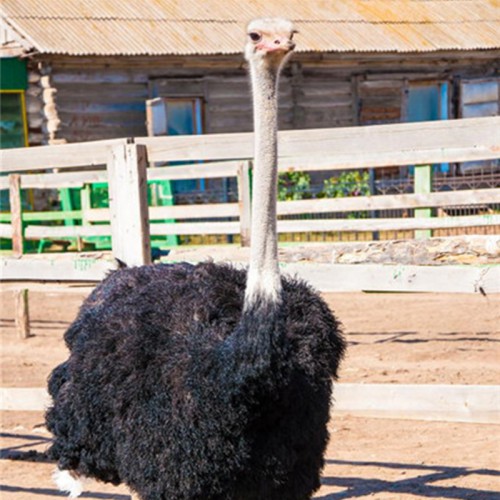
[82,99]
[380,100]
[325,100]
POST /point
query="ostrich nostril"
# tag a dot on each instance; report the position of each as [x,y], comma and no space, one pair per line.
[277,42]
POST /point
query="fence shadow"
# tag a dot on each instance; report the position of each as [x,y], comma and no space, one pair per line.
[24,451]
[37,324]
[402,338]
[421,485]
[44,492]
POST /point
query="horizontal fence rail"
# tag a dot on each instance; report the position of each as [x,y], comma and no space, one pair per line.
[227,156]
[352,147]
[434,402]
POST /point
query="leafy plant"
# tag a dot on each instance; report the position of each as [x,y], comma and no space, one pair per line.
[347,184]
[294,185]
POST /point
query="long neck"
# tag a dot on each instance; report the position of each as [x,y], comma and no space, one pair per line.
[263,281]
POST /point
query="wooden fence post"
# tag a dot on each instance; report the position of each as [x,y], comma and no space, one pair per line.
[128,204]
[16,211]
[85,203]
[244,202]
[22,314]
[423,185]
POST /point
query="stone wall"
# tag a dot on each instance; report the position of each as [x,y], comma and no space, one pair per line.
[429,252]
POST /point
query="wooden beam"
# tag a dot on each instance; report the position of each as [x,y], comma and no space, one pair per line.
[389,202]
[39,232]
[61,156]
[181,228]
[398,278]
[352,147]
[16,210]
[184,228]
[54,268]
[196,211]
[368,146]
[45,216]
[128,203]
[65,287]
[24,399]
[423,185]
[212,170]
[22,314]
[369,225]
[448,403]
[284,226]
[63,179]
[244,203]
[324,277]
[5,231]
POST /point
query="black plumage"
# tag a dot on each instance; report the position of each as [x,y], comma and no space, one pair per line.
[173,389]
[204,382]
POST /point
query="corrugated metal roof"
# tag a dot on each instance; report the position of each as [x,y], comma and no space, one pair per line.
[161,27]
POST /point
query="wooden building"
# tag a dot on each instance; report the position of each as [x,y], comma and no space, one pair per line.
[92,66]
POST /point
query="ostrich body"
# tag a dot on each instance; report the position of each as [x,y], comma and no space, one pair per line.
[204,382]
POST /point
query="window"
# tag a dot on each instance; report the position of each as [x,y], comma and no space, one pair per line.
[13,83]
[479,98]
[176,116]
[13,126]
[13,123]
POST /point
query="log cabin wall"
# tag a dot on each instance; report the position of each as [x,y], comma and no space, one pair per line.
[89,98]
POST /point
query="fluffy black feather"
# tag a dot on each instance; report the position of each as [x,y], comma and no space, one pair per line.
[174,391]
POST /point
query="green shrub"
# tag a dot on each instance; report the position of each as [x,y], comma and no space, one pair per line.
[294,186]
[346,184]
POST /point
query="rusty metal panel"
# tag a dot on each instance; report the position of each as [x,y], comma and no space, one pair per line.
[189,27]
[184,10]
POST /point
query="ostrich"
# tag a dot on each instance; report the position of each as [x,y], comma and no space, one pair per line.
[204,381]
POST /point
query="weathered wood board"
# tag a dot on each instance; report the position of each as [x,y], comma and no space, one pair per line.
[354,147]
[53,268]
[128,204]
[324,277]
[449,403]
[398,278]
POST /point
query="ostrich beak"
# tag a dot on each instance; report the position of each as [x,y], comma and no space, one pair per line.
[277,43]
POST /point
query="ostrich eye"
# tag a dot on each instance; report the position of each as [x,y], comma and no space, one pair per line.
[254,36]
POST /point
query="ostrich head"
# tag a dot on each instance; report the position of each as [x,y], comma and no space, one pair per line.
[270,41]
[269,45]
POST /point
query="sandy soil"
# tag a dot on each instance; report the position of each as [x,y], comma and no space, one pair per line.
[405,338]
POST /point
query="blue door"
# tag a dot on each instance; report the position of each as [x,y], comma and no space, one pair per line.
[428,102]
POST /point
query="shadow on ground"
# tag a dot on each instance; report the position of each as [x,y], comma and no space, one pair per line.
[55,493]
[421,485]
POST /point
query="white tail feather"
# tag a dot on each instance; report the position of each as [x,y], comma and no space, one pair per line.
[68,482]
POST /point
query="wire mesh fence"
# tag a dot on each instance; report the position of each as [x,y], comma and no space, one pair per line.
[391,182]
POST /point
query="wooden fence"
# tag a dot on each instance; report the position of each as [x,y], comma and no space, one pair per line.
[229,155]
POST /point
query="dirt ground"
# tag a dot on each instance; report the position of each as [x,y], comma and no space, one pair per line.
[393,338]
